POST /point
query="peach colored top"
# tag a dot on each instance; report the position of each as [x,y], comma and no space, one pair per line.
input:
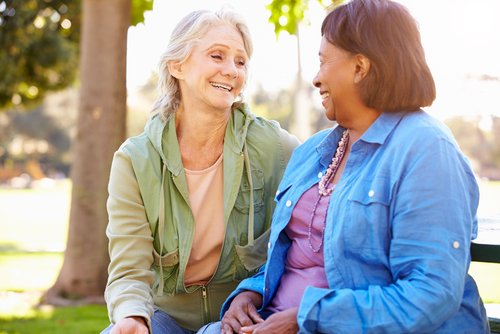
[206,197]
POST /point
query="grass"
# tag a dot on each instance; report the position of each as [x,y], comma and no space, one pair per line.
[89,319]
[33,225]
[486,276]
[20,294]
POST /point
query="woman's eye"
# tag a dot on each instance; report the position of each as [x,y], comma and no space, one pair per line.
[216,56]
[241,62]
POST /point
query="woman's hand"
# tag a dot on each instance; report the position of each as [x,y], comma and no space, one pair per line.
[130,325]
[284,322]
[242,312]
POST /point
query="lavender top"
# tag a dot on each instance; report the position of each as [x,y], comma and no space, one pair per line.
[303,267]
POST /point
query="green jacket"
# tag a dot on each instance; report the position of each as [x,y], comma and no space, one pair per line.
[149,214]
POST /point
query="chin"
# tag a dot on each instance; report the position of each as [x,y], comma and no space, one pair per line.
[223,106]
[330,114]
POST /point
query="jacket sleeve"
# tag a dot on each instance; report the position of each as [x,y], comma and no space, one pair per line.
[288,143]
[433,214]
[128,291]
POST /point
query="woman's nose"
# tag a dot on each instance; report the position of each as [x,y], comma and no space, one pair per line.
[230,70]
[315,81]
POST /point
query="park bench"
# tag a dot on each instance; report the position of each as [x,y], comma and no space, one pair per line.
[487,253]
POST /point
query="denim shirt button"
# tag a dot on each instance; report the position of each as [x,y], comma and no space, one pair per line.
[456,244]
[371,193]
[288,203]
[277,192]
[320,175]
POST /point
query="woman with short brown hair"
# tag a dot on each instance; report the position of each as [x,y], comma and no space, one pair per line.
[374,218]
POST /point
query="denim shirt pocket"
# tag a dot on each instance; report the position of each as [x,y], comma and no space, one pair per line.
[366,229]
[369,192]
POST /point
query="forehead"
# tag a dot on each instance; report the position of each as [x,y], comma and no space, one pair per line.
[327,49]
[223,35]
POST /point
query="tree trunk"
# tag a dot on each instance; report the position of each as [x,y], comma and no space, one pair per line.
[301,108]
[100,131]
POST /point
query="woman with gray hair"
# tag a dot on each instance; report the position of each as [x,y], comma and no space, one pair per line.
[191,198]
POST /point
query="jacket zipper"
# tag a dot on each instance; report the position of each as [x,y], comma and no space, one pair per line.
[207,316]
[206,309]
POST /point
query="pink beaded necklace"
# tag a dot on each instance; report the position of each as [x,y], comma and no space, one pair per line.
[323,189]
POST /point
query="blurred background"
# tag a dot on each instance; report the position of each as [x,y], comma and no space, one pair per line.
[57,138]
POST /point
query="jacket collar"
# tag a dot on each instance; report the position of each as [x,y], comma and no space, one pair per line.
[237,127]
[160,133]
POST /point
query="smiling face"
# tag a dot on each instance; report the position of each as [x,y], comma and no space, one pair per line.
[214,74]
[336,81]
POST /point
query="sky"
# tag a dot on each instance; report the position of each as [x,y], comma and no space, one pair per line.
[461,39]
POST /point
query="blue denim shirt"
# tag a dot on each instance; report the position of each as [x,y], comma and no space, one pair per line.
[398,232]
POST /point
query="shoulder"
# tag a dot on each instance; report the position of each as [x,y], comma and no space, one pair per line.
[420,126]
[147,142]
[415,132]
[262,126]
[267,135]
[422,137]
[135,146]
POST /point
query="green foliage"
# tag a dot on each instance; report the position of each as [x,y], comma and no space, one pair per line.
[138,9]
[36,135]
[88,319]
[38,48]
[287,14]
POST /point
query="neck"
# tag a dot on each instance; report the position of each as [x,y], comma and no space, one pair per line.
[358,126]
[201,136]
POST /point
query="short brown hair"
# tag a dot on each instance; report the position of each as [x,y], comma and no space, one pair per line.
[386,33]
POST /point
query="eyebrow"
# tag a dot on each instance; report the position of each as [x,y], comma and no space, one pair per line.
[224,46]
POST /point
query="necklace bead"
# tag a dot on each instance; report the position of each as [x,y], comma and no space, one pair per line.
[324,190]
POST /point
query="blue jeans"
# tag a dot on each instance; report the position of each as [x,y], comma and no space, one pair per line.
[162,323]
[211,328]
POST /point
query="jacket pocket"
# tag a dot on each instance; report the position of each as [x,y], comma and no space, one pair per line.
[242,203]
[170,267]
[249,258]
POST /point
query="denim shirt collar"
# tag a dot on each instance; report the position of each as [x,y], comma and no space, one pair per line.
[377,133]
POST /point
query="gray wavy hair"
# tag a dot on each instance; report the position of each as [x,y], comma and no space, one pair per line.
[184,38]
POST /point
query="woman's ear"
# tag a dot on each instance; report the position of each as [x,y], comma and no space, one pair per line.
[362,67]
[175,69]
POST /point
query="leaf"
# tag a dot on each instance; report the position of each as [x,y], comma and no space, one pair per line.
[286,15]
[139,7]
